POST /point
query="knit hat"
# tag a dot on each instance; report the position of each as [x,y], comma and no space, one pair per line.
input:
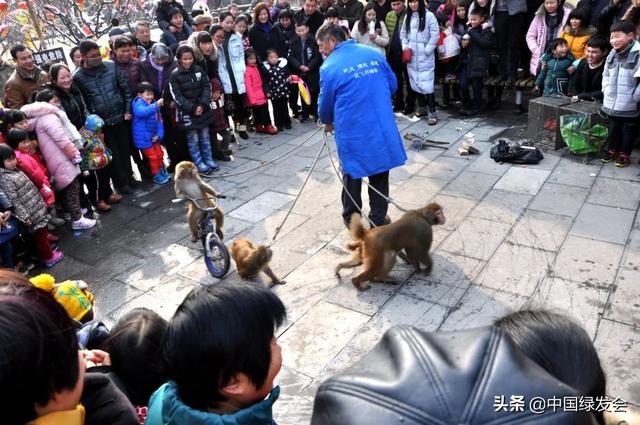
[72,295]
[93,123]
[203,19]
[116,31]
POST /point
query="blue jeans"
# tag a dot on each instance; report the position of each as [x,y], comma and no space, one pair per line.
[200,147]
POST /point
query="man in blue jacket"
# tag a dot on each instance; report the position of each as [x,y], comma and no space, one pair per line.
[356,85]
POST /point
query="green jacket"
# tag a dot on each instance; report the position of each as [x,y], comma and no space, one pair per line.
[391,19]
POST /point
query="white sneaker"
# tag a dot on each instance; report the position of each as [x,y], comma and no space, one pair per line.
[83,223]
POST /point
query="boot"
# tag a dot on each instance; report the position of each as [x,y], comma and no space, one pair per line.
[242,132]
[270,129]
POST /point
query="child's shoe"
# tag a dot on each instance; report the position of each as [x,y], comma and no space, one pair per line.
[622,161]
[212,164]
[160,178]
[242,132]
[270,129]
[609,156]
[260,129]
[55,259]
[83,223]
[203,169]
[165,173]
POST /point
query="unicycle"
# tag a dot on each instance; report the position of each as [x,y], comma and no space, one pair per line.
[216,254]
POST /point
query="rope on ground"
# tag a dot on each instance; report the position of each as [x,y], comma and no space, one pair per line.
[270,161]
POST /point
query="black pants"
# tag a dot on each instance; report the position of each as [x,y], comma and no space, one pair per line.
[174,140]
[280,112]
[475,84]
[509,35]
[239,110]
[118,139]
[261,115]
[98,185]
[220,146]
[378,205]
[293,99]
[139,159]
[623,132]
[428,100]
[402,75]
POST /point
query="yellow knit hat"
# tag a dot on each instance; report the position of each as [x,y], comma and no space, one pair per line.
[75,299]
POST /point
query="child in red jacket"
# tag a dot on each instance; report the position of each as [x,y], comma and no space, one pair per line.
[256,97]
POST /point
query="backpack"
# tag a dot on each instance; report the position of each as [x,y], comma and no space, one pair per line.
[515,153]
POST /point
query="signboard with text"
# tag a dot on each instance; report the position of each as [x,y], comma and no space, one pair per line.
[51,55]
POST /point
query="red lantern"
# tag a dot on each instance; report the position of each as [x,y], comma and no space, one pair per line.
[23,5]
[3,6]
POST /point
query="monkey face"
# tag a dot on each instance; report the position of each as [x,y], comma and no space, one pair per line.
[264,254]
[435,211]
[186,169]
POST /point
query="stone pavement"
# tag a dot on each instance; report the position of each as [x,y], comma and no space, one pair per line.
[562,234]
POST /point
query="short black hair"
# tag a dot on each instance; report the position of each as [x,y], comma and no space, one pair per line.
[579,13]
[332,12]
[73,51]
[479,11]
[13,116]
[5,153]
[38,348]
[182,49]
[145,86]
[15,136]
[331,30]
[17,49]
[45,95]
[301,23]
[217,332]
[225,15]
[86,46]
[599,43]
[135,346]
[215,28]
[115,22]
[269,51]
[203,37]
[122,41]
[623,26]
[560,346]
[173,12]
[285,13]
[250,52]
[553,44]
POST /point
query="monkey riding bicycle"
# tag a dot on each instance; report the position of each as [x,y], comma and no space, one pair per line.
[216,254]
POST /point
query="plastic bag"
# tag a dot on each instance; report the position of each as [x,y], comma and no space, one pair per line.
[450,46]
[580,136]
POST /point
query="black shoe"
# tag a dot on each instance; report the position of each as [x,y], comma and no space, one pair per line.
[398,108]
[221,156]
[227,151]
[409,110]
[243,135]
[135,183]
[287,126]
[233,139]
[302,119]
[125,190]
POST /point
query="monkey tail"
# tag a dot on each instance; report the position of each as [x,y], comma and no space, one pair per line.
[356,228]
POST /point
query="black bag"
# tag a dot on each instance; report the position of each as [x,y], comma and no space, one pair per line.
[515,153]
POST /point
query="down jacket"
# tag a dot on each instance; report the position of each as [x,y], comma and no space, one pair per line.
[231,64]
[276,77]
[23,194]
[577,39]
[146,123]
[33,167]
[554,78]
[351,10]
[191,88]
[281,38]
[255,86]
[537,35]
[72,103]
[621,93]
[157,75]
[479,52]
[131,72]
[106,91]
[371,144]
[422,67]
[54,141]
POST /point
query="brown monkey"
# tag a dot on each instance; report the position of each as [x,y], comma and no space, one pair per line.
[251,260]
[188,184]
[377,248]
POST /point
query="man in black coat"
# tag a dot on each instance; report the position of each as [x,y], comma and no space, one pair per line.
[163,8]
[310,15]
[351,10]
[107,95]
[305,60]
[586,82]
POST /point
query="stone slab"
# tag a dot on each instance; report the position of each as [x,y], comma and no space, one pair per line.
[615,193]
[631,256]
[261,206]
[470,185]
[501,206]
[624,304]
[318,337]
[572,172]
[588,261]
[109,268]
[444,168]
[484,164]
[608,224]
[523,180]
[111,296]
[618,347]
[516,269]
[583,303]
[560,199]
[540,230]
[476,237]
[417,190]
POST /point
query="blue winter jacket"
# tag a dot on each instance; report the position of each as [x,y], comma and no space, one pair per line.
[146,123]
[356,84]
[166,408]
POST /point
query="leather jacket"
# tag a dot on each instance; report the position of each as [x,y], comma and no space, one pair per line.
[414,377]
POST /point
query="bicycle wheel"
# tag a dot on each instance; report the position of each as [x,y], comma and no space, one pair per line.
[216,256]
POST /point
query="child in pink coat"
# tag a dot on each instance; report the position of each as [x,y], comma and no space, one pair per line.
[256,97]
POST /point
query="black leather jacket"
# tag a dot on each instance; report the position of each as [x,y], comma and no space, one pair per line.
[413,377]
[105,90]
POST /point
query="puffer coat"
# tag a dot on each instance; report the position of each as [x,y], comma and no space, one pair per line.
[231,56]
[146,123]
[72,103]
[106,91]
[55,143]
[621,92]
[537,35]
[422,66]
[191,88]
[26,200]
